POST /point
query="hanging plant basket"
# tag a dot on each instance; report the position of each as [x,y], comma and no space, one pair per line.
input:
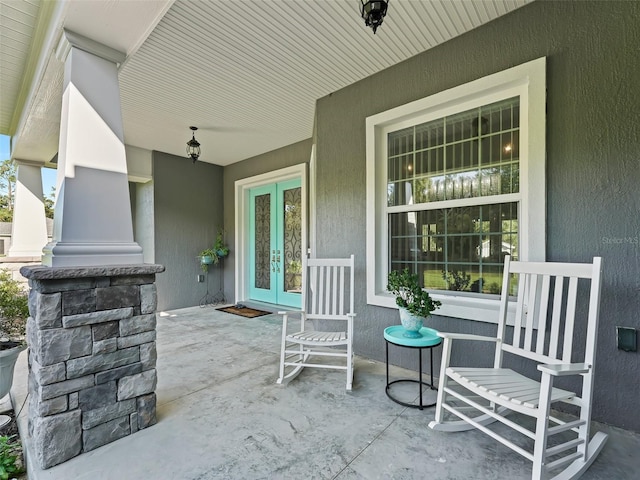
[220,247]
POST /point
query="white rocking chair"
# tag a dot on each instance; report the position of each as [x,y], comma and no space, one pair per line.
[327,298]
[475,397]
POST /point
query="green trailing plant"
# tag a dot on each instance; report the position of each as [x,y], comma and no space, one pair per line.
[409,294]
[207,252]
[220,247]
[218,251]
[10,451]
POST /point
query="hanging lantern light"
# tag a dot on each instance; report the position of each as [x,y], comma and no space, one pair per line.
[373,12]
[193,147]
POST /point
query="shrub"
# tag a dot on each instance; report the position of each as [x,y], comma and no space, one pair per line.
[9,453]
[14,301]
[14,307]
[456,280]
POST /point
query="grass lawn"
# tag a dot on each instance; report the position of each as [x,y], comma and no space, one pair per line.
[491,281]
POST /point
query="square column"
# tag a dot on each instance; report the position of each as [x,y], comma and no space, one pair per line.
[92,357]
[92,216]
[29,228]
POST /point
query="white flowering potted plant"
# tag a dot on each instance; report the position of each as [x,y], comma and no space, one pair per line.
[415,303]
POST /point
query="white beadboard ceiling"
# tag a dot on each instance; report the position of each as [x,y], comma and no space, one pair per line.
[246,72]
[17,27]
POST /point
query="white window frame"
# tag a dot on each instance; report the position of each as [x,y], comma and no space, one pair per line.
[528,81]
[242,190]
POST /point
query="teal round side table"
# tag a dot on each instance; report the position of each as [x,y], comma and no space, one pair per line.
[429,339]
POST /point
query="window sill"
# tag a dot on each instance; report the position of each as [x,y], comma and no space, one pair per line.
[457,306]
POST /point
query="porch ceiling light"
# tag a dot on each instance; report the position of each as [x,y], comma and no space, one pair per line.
[373,12]
[193,147]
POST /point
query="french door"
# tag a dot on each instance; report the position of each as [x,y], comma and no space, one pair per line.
[275,243]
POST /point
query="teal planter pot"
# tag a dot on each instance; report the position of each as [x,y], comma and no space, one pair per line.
[411,323]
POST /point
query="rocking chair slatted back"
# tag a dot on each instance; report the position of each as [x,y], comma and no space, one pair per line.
[534,291]
[327,287]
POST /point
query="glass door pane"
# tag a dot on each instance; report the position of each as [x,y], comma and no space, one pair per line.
[275,239]
[292,240]
[262,230]
[262,241]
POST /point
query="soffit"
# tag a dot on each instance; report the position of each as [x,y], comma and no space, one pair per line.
[247,73]
[18,24]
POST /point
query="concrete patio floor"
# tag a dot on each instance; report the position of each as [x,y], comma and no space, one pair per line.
[221,416]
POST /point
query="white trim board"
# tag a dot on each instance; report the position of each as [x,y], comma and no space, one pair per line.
[242,188]
[527,81]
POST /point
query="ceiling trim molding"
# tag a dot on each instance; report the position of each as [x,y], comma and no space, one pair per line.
[71,39]
[49,17]
[29,163]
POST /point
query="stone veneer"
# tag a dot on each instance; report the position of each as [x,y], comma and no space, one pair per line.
[92,357]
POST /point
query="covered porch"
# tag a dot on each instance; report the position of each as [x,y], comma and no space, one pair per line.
[222,416]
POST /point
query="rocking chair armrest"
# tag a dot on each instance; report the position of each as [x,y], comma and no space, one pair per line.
[563,369]
[466,336]
[295,315]
[291,312]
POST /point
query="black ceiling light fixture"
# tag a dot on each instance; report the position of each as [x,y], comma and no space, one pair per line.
[193,147]
[373,12]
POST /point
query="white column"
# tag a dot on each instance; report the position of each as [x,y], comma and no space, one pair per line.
[29,229]
[92,215]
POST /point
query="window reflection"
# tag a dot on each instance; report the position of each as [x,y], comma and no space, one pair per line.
[459,158]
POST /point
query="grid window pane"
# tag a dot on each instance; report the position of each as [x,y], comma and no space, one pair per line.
[468,155]
[460,249]
[456,157]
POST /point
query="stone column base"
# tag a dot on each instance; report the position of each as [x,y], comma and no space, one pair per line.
[92,357]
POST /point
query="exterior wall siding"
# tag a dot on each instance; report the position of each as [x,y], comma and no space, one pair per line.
[592,164]
[188,212]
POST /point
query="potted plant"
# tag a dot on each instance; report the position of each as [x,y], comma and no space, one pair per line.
[221,249]
[213,255]
[207,257]
[414,302]
[14,311]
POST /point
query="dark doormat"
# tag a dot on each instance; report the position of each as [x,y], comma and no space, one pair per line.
[244,311]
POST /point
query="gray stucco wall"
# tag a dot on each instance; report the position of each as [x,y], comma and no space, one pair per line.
[288,156]
[593,163]
[143,224]
[188,212]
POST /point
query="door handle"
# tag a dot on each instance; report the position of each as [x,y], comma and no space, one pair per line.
[275,261]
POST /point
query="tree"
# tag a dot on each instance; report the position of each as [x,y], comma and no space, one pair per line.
[49,203]
[7,181]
